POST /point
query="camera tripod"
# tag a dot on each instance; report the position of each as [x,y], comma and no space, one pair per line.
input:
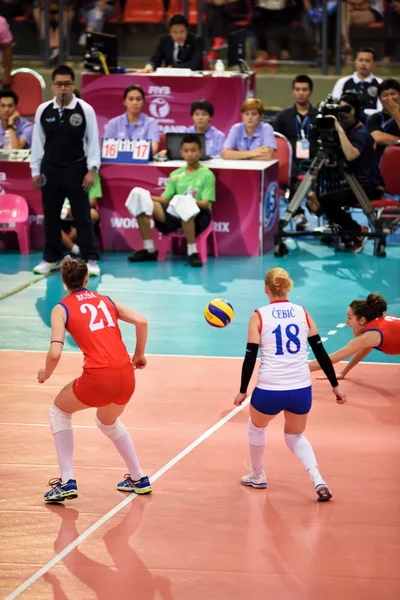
[378,233]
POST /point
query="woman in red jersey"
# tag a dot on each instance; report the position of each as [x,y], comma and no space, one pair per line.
[108,379]
[372,329]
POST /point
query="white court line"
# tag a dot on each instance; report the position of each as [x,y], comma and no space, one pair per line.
[369,362]
[61,555]
[332,332]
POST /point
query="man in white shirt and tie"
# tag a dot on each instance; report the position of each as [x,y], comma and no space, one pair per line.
[179,49]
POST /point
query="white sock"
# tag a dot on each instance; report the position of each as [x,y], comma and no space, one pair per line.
[301,447]
[257,441]
[191,249]
[64,441]
[125,447]
[149,245]
[75,250]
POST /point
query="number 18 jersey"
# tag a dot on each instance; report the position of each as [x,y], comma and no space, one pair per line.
[284,329]
[92,321]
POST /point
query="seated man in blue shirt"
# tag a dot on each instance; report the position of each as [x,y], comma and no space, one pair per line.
[18,128]
[358,149]
[202,112]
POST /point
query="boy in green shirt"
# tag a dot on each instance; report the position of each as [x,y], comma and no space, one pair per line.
[195,180]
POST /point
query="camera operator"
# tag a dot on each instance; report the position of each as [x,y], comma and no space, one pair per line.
[360,160]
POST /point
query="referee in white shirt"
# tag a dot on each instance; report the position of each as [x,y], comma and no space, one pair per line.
[64,160]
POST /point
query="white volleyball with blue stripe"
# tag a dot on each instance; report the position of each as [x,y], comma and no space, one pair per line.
[219,313]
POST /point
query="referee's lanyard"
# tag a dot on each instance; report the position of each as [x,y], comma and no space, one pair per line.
[303,134]
[248,141]
[386,124]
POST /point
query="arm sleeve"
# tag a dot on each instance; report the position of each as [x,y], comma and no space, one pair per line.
[268,137]
[26,133]
[158,56]
[323,358]
[248,366]
[231,139]
[92,135]
[278,124]
[208,191]
[338,89]
[195,63]
[170,190]
[153,132]
[38,141]
[373,123]
[219,143]
[110,129]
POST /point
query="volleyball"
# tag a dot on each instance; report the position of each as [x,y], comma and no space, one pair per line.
[219,313]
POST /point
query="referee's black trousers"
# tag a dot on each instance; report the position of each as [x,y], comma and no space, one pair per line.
[59,183]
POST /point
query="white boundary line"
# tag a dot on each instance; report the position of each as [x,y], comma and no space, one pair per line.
[61,555]
[369,362]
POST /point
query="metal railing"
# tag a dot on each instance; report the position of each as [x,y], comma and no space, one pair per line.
[322,35]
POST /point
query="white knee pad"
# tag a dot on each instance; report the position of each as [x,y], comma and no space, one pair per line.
[293,440]
[59,420]
[114,431]
[256,434]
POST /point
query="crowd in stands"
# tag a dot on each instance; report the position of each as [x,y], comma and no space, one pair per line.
[262,18]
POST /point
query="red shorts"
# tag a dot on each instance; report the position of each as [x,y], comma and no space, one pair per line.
[100,387]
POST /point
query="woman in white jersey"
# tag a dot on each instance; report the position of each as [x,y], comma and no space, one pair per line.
[281,329]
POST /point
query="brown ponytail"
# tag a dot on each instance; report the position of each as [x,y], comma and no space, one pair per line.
[373,307]
[74,271]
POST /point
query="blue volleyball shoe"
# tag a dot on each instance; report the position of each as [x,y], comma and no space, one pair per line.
[138,486]
[61,491]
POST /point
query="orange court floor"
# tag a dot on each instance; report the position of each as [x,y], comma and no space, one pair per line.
[200,535]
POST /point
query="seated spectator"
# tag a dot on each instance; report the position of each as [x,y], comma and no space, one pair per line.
[392,29]
[68,229]
[133,124]
[297,124]
[362,13]
[385,126]
[179,49]
[9,9]
[363,81]
[221,16]
[270,15]
[202,112]
[252,139]
[6,40]
[194,180]
[95,13]
[20,129]
[39,17]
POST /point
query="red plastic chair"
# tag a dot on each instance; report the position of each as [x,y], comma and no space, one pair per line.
[30,88]
[144,11]
[177,7]
[246,20]
[165,243]
[163,142]
[14,216]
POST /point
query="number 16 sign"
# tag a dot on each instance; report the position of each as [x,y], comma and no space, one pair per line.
[126,151]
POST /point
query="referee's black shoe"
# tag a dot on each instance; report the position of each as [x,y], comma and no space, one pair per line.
[195,260]
[143,256]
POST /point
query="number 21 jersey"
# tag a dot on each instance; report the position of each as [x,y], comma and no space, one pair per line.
[92,321]
[284,329]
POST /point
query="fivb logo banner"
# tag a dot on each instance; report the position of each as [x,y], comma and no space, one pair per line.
[271,205]
[159,106]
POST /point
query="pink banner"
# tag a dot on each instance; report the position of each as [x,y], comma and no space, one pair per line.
[236,212]
[168,99]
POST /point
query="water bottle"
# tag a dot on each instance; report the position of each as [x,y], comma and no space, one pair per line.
[219,67]
[7,140]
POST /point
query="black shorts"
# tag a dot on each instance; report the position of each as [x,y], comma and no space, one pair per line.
[66,226]
[172,224]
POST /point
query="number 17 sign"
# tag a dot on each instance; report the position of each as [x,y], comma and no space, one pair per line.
[126,151]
